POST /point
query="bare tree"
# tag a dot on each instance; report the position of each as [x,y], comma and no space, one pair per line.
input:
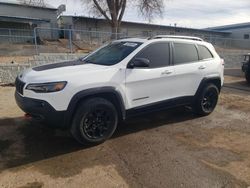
[113,10]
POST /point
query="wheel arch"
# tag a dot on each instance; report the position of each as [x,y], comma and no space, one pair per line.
[213,80]
[108,93]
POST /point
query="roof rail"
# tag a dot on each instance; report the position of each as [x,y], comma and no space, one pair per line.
[176,37]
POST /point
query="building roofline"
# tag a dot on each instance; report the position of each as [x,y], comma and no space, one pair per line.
[230,26]
[31,6]
[24,18]
[156,25]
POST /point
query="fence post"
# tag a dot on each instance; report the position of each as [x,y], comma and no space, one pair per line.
[35,40]
[99,38]
[89,35]
[10,38]
[70,40]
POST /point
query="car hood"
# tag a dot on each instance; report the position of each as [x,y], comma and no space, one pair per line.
[60,71]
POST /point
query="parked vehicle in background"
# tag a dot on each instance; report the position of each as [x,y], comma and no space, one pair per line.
[246,67]
[124,78]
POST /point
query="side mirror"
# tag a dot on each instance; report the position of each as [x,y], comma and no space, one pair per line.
[138,63]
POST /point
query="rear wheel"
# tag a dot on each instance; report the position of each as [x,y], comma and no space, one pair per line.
[207,100]
[95,121]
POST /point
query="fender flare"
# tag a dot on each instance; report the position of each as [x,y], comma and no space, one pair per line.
[81,95]
[215,80]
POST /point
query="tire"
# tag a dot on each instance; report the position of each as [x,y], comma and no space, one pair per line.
[207,100]
[94,122]
[247,75]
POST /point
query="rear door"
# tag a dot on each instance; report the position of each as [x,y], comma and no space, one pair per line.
[189,69]
[214,66]
[154,83]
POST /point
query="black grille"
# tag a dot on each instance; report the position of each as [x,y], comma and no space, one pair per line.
[19,86]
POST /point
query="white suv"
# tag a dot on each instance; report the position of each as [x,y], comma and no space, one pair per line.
[124,78]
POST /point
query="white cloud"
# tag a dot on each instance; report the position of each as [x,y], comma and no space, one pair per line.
[200,14]
[186,13]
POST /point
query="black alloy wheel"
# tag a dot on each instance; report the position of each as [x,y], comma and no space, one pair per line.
[206,101]
[209,100]
[95,121]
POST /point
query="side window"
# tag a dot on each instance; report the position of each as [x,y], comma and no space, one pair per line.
[185,53]
[204,53]
[246,36]
[158,54]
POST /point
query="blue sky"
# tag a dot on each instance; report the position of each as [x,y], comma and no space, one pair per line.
[185,13]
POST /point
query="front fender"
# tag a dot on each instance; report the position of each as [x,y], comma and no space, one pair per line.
[99,91]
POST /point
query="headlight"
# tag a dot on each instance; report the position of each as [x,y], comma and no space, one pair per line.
[47,87]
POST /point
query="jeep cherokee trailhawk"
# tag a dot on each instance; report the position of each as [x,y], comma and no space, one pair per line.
[124,78]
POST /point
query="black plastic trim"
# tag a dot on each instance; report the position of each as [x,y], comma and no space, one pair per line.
[78,97]
[41,111]
[204,81]
[141,98]
[158,106]
[19,85]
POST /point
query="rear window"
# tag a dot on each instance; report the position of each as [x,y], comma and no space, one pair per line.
[185,53]
[204,53]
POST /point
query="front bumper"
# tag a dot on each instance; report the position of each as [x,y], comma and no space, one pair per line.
[41,111]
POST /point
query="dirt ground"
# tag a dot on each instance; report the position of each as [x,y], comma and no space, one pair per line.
[172,148]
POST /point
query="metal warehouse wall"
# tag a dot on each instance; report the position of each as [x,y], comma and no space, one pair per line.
[30,12]
[23,15]
[239,33]
[130,29]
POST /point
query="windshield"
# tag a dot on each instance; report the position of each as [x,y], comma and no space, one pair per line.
[112,53]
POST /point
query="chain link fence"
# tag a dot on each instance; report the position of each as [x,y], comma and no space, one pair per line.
[51,40]
[70,40]
[54,40]
[16,36]
[229,43]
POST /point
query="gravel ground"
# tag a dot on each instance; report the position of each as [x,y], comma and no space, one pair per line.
[172,148]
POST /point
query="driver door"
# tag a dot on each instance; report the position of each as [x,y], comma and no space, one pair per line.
[148,85]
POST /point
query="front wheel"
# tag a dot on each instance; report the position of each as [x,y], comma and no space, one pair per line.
[95,121]
[207,100]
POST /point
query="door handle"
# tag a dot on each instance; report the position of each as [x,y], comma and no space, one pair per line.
[202,67]
[166,72]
